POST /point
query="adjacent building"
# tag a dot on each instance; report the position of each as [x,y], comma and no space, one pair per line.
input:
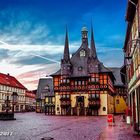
[83,85]
[8,85]
[30,101]
[120,94]
[132,59]
[45,100]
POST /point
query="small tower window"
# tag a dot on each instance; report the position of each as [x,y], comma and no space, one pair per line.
[68,67]
[80,68]
[82,53]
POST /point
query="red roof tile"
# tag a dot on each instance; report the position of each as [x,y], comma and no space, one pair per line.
[29,94]
[8,80]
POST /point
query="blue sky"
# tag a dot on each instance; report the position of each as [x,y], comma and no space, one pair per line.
[37,27]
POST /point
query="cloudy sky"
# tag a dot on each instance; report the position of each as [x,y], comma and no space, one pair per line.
[32,34]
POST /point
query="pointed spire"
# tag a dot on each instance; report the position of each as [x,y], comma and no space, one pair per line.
[66,55]
[92,45]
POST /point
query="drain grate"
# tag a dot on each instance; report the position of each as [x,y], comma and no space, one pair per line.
[47,138]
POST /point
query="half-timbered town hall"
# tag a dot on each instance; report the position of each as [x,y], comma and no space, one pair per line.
[83,85]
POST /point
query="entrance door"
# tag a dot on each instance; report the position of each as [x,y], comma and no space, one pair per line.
[92,112]
[80,105]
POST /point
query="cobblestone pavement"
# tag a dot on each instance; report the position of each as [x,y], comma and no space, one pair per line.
[32,126]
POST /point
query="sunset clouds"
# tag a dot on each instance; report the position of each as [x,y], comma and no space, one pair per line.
[32,34]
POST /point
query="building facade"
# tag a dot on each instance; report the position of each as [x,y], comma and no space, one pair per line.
[120,94]
[132,59]
[45,100]
[30,102]
[8,85]
[83,85]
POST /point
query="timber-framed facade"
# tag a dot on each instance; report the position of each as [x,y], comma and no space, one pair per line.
[83,85]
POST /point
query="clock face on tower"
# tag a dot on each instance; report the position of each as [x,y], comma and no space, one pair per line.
[82,53]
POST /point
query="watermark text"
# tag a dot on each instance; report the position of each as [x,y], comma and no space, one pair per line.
[2,133]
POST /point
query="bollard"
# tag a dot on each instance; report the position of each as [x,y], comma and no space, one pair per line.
[110,119]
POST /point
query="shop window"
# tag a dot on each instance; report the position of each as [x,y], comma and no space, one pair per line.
[117,101]
[97,95]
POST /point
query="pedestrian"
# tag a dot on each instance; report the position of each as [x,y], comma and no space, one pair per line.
[128,115]
[113,120]
[45,110]
[124,116]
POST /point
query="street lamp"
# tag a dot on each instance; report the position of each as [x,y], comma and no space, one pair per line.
[14,99]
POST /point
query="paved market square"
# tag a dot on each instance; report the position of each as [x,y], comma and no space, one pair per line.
[35,126]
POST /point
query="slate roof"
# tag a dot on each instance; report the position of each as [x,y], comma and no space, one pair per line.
[56,73]
[78,61]
[117,74]
[89,63]
[29,94]
[104,69]
[43,82]
[8,80]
